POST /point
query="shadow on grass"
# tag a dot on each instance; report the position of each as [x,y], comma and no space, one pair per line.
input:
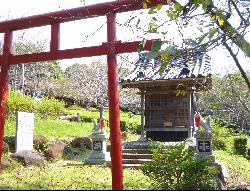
[7,188]
[75,154]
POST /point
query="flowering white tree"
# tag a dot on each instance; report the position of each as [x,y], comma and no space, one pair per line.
[32,78]
[228,100]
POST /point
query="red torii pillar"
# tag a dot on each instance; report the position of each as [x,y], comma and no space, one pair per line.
[4,75]
[115,135]
[111,49]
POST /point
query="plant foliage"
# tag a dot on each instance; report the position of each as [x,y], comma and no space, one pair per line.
[19,102]
[175,168]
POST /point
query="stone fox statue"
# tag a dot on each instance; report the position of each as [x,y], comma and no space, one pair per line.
[96,127]
[100,124]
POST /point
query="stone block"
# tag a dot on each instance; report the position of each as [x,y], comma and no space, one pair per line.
[81,141]
[29,157]
[55,150]
[5,148]
[5,164]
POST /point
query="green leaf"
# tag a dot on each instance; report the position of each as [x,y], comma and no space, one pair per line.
[246,48]
[172,14]
[200,39]
[171,50]
[191,42]
[159,6]
[138,22]
[152,27]
[163,67]
[178,7]
[205,4]
[164,33]
[153,54]
[156,45]
[196,2]
[152,10]
[212,32]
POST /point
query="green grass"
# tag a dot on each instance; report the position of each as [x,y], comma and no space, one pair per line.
[94,113]
[53,128]
[61,129]
[131,124]
[237,165]
[68,175]
[73,174]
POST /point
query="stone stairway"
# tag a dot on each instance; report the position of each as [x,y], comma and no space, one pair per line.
[133,158]
[134,154]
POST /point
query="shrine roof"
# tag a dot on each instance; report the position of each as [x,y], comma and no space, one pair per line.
[192,68]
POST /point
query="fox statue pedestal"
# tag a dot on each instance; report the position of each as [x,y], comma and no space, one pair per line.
[99,148]
[203,137]
[99,153]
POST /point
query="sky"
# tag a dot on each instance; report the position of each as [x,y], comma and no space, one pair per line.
[91,32]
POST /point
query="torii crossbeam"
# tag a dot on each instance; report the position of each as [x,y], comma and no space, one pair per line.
[111,48]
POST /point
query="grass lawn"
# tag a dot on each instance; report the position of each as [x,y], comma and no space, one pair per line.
[69,175]
[54,128]
[73,174]
[59,129]
[239,167]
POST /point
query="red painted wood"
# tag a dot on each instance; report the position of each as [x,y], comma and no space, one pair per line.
[55,37]
[126,47]
[4,75]
[114,106]
[96,10]
[60,54]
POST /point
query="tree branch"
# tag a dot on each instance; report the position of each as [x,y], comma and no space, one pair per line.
[230,31]
[238,11]
[238,64]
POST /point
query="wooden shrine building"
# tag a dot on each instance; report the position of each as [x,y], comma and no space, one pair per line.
[168,101]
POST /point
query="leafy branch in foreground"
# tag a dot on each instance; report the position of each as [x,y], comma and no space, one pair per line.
[221,23]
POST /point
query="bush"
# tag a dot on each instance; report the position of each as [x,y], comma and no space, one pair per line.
[19,102]
[86,118]
[240,146]
[222,136]
[75,107]
[219,140]
[130,125]
[248,153]
[175,168]
[50,107]
[11,141]
[40,143]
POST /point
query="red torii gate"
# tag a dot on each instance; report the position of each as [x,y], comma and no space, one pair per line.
[111,48]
